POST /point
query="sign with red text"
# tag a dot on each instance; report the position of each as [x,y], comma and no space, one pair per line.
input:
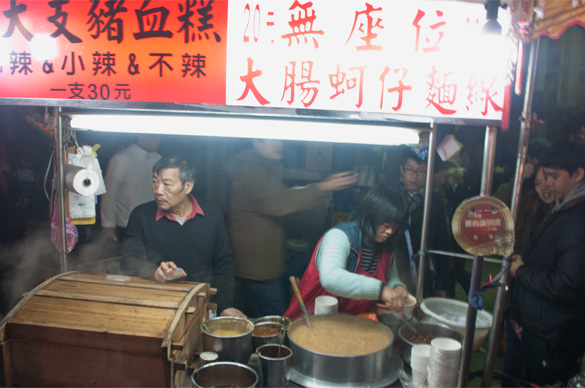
[484,226]
[422,58]
[133,50]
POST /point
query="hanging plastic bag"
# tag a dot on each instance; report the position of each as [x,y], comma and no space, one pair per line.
[71,234]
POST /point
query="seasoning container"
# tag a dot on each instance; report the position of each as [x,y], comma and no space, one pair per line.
[207,357]
[254,363]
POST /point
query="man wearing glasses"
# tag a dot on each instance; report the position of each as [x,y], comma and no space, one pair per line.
[413,173]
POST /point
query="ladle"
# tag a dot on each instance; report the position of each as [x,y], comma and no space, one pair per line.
[206,327]
[409,325]
[295,288]
[402,318]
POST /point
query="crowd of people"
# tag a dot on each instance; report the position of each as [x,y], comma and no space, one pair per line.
[161,226]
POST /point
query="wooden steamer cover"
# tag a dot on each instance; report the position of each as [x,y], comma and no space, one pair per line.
[92,330]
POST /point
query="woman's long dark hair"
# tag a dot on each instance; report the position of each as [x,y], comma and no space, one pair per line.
[531,211]
[382,204]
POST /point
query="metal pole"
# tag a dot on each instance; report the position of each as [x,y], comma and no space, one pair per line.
[59,152]
[486,188]
[422,267]
[525,127]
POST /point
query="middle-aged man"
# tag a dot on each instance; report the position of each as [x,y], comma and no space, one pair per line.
[177,230]
[548,309]
[259,202]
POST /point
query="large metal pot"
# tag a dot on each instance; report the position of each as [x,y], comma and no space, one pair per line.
[313,369]
[404,342]
[236,347]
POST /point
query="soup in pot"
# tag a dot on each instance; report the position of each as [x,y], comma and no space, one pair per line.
[341,334]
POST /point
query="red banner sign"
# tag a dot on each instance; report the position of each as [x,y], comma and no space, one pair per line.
[422,58]
[156,51]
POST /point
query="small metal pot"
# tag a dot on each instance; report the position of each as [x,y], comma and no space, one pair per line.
[224,374]
[237,347]
[266,333]
[404,343]
[275,319]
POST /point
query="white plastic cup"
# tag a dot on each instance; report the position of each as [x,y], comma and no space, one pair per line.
[408,306]
[326,304]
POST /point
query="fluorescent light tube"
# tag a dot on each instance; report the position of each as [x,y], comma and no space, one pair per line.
[256,128]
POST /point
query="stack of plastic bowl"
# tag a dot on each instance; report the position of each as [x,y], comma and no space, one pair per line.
[443,367]
[419,361]
[453,313]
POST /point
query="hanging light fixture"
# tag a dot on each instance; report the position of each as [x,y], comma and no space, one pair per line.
[492,26]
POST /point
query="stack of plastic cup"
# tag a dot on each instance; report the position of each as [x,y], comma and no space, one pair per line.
[419,360]
[443,368]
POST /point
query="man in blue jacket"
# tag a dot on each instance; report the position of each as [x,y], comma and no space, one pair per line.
[548,308]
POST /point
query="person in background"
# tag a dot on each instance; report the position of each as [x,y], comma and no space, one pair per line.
[353,260]
[128,181]
[413,173]
[534,205]
[536,150]
[259,200]
[547,309]
[177,230]
[471,156]
[575,131]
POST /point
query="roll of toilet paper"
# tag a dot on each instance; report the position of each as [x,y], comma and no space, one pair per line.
[80,180]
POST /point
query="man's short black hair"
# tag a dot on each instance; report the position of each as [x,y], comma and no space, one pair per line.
[382,204]
[186,172]
[565,155]
[408,153]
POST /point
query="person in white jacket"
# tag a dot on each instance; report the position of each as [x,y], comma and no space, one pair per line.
[128,182]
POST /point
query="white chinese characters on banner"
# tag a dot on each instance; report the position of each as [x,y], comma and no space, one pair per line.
[402,57]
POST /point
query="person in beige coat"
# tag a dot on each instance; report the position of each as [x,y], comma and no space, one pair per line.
[258,201]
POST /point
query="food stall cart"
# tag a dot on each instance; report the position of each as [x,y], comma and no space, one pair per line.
[338,72]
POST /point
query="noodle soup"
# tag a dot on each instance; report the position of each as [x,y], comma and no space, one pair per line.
[341,335]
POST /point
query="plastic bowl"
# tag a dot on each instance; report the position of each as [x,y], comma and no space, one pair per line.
[453,313]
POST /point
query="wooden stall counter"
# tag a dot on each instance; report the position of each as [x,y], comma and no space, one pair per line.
[79,329]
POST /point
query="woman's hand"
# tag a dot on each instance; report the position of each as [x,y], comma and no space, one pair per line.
[517,262]
[393,298]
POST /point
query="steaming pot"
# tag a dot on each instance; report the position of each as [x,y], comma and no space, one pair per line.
[312,369]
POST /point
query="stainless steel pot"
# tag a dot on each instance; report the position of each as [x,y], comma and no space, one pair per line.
[274,318]
[224,374]
[271,334]
[237,347]
[404,341]
[313,369]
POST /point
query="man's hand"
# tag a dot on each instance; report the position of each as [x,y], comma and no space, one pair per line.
[340,181]
[516,263]
[160,275]
[111,233]
[233,312]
